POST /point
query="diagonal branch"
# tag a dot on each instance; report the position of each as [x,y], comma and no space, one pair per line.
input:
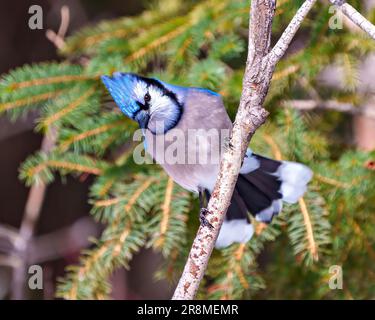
[286,38]
[308,105]
[31,215]
[58,38]
[250,116]
[355,17]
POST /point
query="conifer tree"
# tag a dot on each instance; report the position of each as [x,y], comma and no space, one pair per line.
[203,44]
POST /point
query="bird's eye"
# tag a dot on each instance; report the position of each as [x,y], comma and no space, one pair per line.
[147,97]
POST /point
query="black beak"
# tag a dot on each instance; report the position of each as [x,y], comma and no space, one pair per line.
[142,117]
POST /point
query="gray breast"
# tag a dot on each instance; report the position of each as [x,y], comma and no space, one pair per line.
[190,152]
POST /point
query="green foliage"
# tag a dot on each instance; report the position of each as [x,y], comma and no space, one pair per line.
[305,245]
[38,168]
[204,44]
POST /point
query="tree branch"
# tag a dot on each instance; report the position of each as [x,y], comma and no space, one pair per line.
[63,242]
[355,17]
[260,67]
[58,38]
[286,38]
[307,105]
[31,215]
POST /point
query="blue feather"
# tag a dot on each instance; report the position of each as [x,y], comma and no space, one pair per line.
[208,91]
[120,86]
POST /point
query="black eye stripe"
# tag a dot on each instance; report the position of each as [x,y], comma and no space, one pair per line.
[156,83]
[160,86]
[142,106]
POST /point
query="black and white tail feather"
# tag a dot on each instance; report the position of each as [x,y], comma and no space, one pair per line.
[262,187]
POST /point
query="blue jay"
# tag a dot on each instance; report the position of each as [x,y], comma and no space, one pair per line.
[263,184]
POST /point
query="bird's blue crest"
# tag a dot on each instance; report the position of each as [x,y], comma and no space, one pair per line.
[121,88]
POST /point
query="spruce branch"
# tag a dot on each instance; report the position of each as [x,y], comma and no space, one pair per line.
[201,55]
[332,182]
[309,229]
[260,67]
[29,100]
[70,107]
[156,43]
[166,213]
[355,17]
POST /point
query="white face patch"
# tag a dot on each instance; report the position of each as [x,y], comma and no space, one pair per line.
[164,112]
[159,103]
[139,91]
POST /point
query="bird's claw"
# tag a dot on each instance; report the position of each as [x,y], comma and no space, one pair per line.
[203,219]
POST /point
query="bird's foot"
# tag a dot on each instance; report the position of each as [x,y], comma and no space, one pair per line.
[203,219]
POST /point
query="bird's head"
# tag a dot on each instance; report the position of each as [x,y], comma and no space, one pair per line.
[153,104]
